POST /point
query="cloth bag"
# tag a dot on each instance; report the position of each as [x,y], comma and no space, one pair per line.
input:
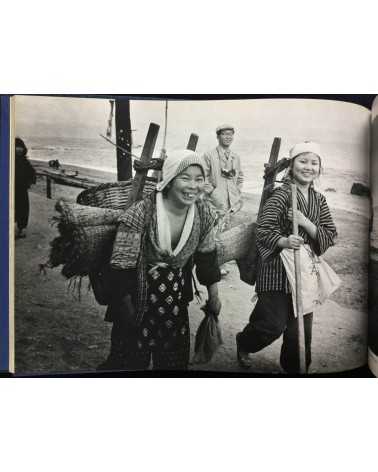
[208,338]
[319,280]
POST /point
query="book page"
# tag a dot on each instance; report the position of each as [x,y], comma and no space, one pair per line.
[61,330]
[373,267]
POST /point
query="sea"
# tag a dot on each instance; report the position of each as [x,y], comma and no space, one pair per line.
[343,163]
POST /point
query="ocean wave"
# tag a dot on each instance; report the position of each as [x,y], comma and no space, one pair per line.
[47,148]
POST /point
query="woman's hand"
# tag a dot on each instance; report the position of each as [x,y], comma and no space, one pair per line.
[291,242]
[302,220]
[214,305]
[306,224]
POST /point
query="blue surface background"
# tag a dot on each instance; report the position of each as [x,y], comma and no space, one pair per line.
[4,231]
[365,100]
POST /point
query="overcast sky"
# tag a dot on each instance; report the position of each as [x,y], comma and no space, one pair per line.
[80,117]
[60,116]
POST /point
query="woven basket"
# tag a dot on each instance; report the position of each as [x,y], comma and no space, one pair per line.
[86,238]
[83,216]
[112,195]
[87,235]
[235,243]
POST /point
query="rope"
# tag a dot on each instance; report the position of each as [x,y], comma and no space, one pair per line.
[197,292]
[281,165]
[155,164]
[120,147]
[109,132]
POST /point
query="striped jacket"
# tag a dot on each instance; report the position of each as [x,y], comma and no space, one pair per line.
[274,224]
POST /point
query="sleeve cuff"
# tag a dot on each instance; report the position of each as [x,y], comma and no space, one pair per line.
[207,268]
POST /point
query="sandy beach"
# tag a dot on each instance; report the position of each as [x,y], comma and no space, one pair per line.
[56,332]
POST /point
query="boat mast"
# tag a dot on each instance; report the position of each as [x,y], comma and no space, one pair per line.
[124,138]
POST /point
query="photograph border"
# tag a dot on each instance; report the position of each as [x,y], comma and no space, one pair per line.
[364,100]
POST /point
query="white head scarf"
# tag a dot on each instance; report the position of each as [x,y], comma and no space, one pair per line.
[307,146]
[177,162]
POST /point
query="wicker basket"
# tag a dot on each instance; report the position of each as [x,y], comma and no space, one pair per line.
[112,195]
[88,228]
[87,236]
[235,243]
[83,216]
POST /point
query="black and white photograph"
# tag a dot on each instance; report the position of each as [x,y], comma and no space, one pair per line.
[225,236]
[188,218]
[373,267]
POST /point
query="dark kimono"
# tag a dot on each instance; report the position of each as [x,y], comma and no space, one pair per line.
[160,288]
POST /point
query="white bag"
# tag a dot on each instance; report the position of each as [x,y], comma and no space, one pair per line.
[319,280]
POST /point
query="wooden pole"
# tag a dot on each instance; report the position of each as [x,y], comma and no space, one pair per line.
[140,175]
[298,288]
[269,180]
[123,139]
[192,143]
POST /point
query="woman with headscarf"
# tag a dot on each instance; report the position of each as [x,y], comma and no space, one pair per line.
[158,241]
[273,314]
[24,178]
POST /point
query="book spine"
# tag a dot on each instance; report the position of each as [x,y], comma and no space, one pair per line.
[4,232]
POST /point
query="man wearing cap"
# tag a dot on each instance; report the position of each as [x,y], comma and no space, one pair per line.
[224,177]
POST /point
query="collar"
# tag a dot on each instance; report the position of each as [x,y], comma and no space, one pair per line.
[221,152]
[164,232]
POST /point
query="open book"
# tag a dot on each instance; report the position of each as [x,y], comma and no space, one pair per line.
[77,147]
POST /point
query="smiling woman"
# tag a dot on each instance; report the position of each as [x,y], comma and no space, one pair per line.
[180,196]
[306,168]
[158,240]
[274,313]
[185,188]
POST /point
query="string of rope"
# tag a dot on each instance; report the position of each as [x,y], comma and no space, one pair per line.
[120,147]
[281,165]
[154,164]
[109,132]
